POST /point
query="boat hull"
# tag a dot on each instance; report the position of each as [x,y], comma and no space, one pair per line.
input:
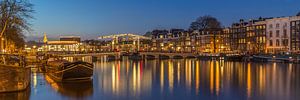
[70,72]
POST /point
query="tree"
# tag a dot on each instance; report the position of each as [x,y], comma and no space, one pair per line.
[298,14]
[148,34]
[205,22]
[14,17]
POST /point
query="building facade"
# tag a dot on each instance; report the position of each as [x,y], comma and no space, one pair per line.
[238,37]
[159,38]
[295,33]
[210,41]
[174,40]
[256,36]
[197,41]
[65,44]
[278,37]
[248,36]
[70,38]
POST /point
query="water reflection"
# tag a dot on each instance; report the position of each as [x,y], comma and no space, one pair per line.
[22,95]
[72,90]
[182,79]
[128,79]
[194,79]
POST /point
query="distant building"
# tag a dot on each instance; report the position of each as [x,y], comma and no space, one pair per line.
[180,40]
[210,40]
[62,46]
[256,36]
[248,36]
[278,37]
[295,33]
[159,39]
[65,44]
[226,40]
[238,36]
[69,38]
[173,40]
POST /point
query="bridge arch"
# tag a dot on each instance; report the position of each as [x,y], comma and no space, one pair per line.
[164,57]
[177,57]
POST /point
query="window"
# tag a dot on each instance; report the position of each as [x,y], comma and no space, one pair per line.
[284,42]
[285,33]
[293,23]
[285,25]
[270,43]
[161,36]
[270,26]
[277,25]
[271,34]
[277,42]
[277,33]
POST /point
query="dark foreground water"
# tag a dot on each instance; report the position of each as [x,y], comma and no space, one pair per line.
[185,79]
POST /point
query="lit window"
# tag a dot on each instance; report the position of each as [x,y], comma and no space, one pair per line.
[161,36]
[277,42]
[270,43]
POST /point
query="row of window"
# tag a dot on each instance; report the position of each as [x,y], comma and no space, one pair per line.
[278,25]
[284,42]
[278,33]
[295,32]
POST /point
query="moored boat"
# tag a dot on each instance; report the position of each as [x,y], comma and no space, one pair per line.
[62,70]
[274,58]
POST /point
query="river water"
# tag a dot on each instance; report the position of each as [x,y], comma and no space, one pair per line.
[182,79]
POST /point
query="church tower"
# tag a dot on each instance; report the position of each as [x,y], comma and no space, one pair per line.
[45,40]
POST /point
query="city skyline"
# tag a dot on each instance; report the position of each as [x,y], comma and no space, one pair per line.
[150,49]
[95,18]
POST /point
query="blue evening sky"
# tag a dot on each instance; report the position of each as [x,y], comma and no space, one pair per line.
[92,18]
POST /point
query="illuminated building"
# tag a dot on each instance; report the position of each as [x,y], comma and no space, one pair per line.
[278,39]
[248,37]
[256,36]
[95,46]
[179,41]
[175,40]
[295,33]
[209,40]
[65,44]
[159,39]
[238,36]
[225,48]
[70,38]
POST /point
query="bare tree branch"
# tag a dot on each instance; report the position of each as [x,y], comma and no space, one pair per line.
[205,22]
[14,17]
